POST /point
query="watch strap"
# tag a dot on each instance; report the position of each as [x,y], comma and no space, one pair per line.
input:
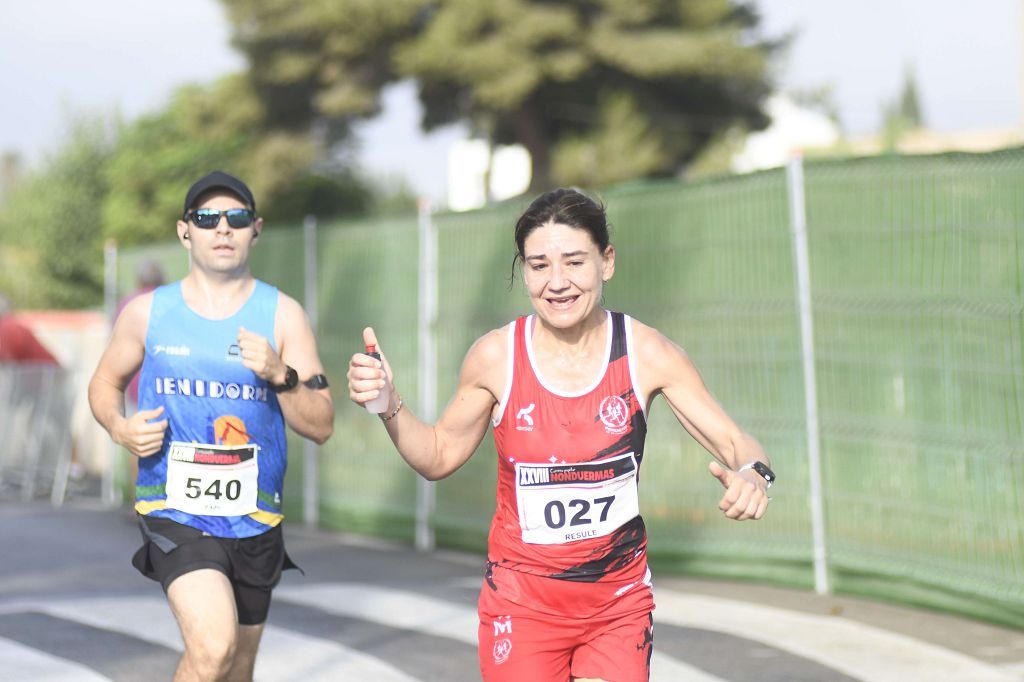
[316,382]
[291,380]
[761,469]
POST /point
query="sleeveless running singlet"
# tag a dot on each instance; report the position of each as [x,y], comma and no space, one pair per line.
[221,467]
[568,467]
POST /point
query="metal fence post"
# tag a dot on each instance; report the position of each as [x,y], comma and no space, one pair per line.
[798,226]
[108,490]
[427,362]
[310,473]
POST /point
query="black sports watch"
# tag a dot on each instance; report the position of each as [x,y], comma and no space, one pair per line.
[291,380]
[761,469]
[316,382]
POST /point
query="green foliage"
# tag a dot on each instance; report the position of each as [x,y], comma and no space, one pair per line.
[322,195]
[717,155]
[322,59]
[623,146]
[217,126]
[223,126]
[903,114]
[51,225]
[553,76]
[910,106]
[129,186]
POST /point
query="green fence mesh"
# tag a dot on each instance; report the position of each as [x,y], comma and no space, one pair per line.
[916,277]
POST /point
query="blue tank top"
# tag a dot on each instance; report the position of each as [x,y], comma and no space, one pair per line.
[214,405]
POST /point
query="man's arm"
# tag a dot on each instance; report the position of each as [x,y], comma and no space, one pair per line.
[309,412]
[120,361]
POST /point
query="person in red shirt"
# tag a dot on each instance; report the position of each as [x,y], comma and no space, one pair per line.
[567,593]
[18,345]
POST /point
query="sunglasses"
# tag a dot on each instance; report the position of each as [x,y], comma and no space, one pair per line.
[208,218]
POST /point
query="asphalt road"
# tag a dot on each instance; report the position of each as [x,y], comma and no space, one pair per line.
[72,608]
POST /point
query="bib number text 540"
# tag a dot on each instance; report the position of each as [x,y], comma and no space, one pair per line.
[194,488]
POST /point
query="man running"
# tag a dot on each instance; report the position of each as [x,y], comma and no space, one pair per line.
[226,360]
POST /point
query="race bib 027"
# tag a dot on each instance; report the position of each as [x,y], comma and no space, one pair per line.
[214,480]
[561,503]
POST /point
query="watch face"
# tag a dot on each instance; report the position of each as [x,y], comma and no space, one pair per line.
[316,382]
[764,471]
[291,380]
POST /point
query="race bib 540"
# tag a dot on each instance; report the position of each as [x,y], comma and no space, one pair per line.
[214,480]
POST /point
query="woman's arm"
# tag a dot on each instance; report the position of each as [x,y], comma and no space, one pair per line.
[665,368]
[437,450]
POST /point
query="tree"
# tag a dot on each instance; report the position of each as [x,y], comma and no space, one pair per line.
[222,125]
[902,115]
[910,106]
[556,77]
[561,78]
[321,61]
[51,224]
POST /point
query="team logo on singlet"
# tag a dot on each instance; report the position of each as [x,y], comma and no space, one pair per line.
[524,422]
[614,414]
[230,430]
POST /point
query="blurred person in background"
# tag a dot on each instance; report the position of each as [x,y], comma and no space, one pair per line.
[567,592]
[226,361]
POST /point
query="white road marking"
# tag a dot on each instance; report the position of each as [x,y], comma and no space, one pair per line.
[283,654]
[413,611]
[861,651]
[25,664]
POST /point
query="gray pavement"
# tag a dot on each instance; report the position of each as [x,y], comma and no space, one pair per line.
[72,608]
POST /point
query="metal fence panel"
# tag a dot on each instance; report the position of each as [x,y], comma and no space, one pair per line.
[916,272]
[35,428]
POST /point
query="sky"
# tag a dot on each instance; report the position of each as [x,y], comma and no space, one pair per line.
[60,58]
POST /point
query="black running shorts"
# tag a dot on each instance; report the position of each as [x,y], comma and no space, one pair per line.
[252,565]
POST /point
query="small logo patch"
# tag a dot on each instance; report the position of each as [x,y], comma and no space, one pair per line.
[524,422]
[614,414]
[172,350]
[502,650]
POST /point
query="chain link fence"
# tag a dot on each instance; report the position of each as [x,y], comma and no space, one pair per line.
[915,266]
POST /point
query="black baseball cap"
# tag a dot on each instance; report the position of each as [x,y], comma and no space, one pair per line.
[218,180]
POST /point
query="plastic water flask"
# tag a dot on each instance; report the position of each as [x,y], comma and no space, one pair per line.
[380,403]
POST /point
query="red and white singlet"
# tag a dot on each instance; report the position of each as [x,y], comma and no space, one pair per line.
[568,467]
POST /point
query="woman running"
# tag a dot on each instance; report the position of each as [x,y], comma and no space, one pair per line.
[567,592]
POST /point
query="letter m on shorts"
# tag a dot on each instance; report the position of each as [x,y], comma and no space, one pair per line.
[503,626]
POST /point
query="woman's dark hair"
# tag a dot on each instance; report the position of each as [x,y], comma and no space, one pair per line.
[566,206]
